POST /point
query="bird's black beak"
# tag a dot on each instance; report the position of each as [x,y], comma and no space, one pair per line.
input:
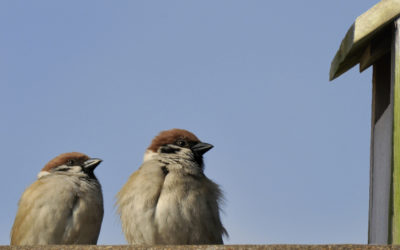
[92,163]
[201,148]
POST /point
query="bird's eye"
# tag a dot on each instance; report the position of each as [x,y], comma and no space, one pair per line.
[181,143]
[70,162]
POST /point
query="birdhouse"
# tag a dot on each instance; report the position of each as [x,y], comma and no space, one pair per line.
[374,39]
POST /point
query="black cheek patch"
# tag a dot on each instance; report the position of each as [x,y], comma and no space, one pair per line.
[169,150]
[62,169]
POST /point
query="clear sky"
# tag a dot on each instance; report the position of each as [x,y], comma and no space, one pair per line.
[250,77]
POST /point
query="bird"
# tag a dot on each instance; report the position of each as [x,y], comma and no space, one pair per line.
[63,206]
[169,200]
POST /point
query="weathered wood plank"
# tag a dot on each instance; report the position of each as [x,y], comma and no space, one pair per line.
[395,211]
[360,33]
[381,157]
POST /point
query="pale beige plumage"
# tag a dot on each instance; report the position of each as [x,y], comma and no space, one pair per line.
[169,200]
[64,206]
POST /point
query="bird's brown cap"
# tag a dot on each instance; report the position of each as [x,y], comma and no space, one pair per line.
[64,158]
[170,137]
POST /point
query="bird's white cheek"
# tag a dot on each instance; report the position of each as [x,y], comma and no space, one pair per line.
[149,155]
[75,169]
[42,173]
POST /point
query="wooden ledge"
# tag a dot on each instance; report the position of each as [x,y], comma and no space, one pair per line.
[208,247]
[360,34]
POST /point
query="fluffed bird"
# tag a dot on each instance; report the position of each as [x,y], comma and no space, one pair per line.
[169,200]
[63,206]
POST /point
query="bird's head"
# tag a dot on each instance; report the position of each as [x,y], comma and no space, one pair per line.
[73,163]
[177,144]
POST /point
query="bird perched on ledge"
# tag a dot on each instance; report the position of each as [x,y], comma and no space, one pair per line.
[63,206]
[169,200]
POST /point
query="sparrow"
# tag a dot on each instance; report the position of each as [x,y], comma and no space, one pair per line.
[63,206]
[169,200]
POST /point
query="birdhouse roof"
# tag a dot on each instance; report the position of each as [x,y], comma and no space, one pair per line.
[360,35]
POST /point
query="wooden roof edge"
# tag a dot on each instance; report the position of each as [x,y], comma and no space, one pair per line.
[360,33]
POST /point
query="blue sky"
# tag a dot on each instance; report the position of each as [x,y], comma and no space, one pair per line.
[251,77]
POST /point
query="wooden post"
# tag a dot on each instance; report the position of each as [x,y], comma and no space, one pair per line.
[374,39]
[381,153]
[384,208]
[394,236]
